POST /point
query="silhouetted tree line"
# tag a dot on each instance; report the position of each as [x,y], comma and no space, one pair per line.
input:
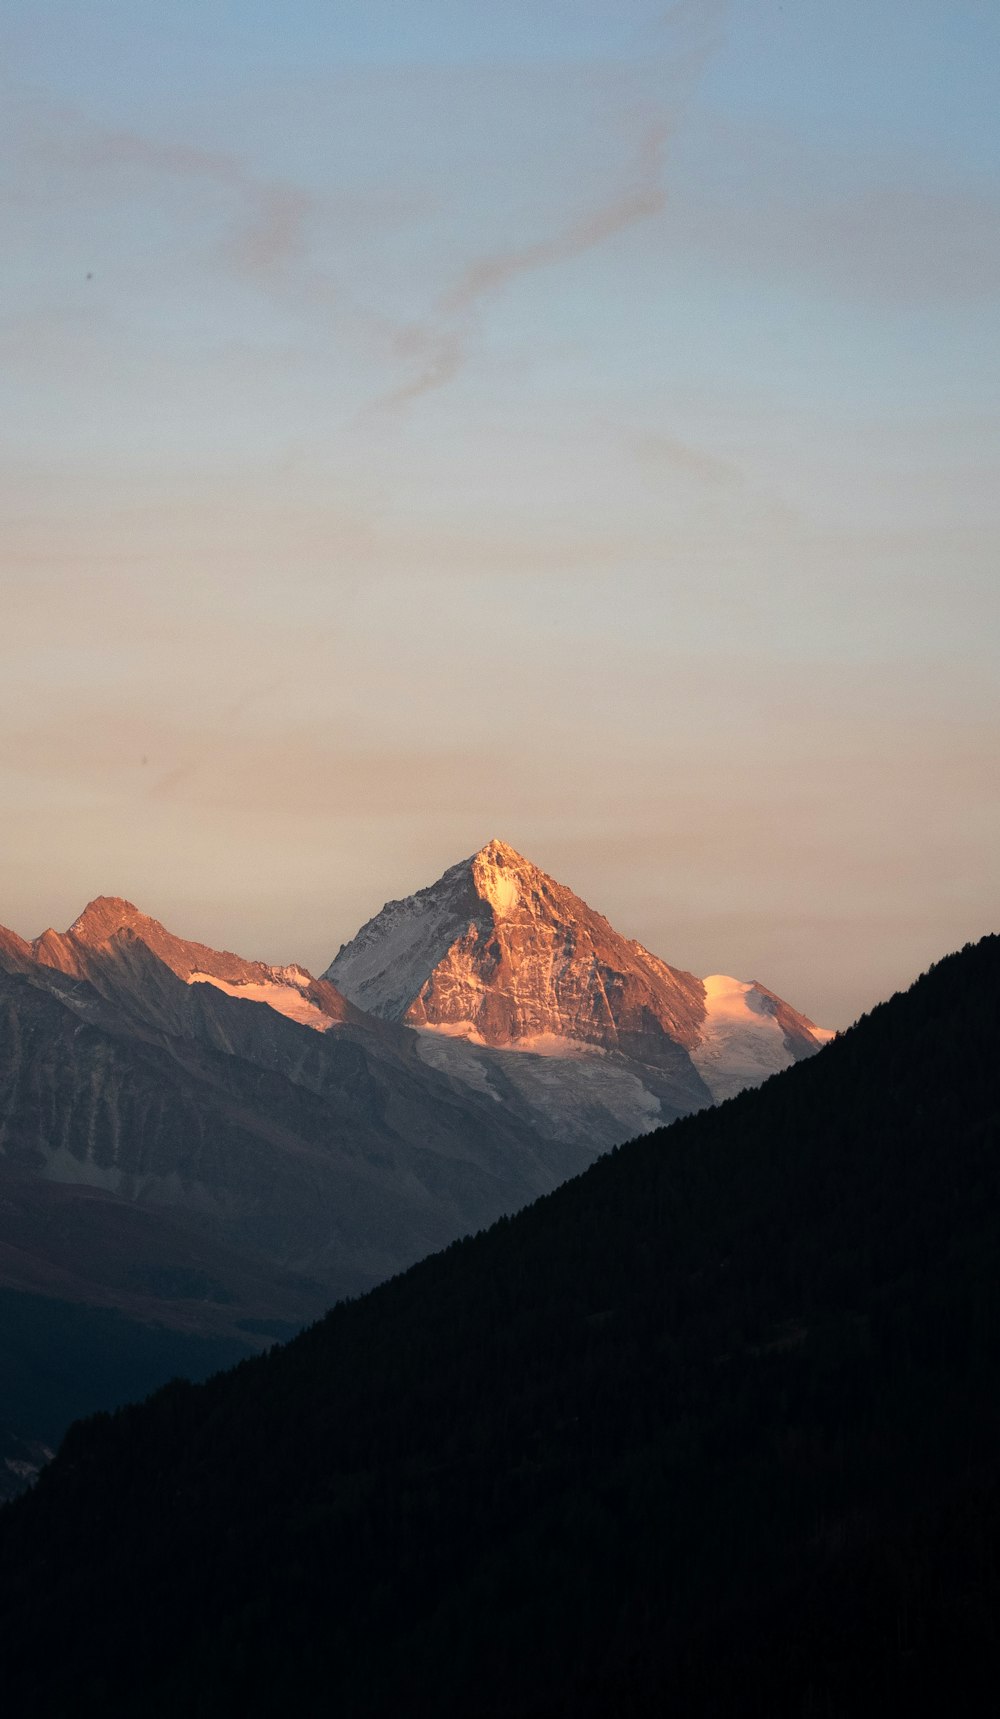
[712,1430]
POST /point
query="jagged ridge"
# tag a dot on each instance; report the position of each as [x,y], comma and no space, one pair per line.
[712,1430]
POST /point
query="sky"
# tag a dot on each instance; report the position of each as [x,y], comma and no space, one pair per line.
[430,420]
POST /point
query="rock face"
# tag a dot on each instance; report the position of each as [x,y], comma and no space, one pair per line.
[223,1147]
[500,955]
[111,935]
[711,1432]
[230,1120]
[259,1123]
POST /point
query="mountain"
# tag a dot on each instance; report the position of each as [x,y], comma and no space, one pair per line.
[220,1147]
[254,1099]
[215,1148]
[712,1429]
[252,1129]
[497,954]
[101,946]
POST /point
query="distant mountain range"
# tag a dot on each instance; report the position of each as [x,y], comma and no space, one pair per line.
[225,1147]
[711,1430]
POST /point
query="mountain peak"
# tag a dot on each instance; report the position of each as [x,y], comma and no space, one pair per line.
[107,939]
[495,871]
[499,952]
[105,915]
[674,1332]
[15,953]
[93,929]
[501,853]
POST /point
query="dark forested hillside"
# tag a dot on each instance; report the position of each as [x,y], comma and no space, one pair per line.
[712,1430]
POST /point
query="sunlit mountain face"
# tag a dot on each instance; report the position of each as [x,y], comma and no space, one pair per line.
[222,1147]
[275,1118]
[97,946]
[712,1430]
[473,1045]
[493,1019]
[498,954]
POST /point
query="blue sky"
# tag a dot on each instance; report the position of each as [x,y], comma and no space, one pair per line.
[576,423]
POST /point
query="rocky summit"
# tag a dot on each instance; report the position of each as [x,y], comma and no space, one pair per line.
[217,1148]
[498,954]
[173,1116]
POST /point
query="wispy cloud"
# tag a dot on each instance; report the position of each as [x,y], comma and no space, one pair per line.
[271,215]
[441,353]
[639,202]
[685,38]
[271,232]
[443,344]
[657,449]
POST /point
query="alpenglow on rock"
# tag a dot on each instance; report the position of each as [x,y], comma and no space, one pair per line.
[500,955]
[175,1115]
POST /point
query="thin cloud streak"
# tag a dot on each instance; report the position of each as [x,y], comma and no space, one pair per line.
[646,200]
[446,356]
[658,449]
[690,31]
[271,234]
[447,339]
[275,212]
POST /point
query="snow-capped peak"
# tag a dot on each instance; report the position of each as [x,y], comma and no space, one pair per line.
[499,953]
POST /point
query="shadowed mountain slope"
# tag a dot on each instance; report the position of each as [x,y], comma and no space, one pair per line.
[713,1430]
[217,1147]
[336,1152]
[220,1147]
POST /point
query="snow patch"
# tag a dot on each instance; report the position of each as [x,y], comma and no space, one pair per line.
[285,996]
[741,1042]
[555,1044]
[385,966]
[496,885]
[536,1044]
[455,1030]
[583,1098]
[471,1070]
[727,993]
